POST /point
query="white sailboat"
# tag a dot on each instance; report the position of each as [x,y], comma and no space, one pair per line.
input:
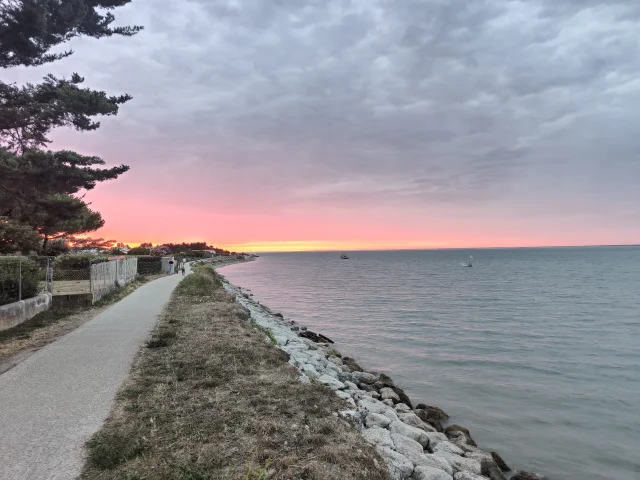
[470,264]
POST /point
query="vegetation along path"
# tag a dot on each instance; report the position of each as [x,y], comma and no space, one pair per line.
[53,402]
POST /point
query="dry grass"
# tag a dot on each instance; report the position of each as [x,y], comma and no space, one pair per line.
[211,398]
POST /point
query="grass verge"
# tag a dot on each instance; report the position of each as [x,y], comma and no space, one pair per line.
[45,327]
[209,398]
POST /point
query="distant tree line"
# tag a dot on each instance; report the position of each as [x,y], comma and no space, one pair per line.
[42,191]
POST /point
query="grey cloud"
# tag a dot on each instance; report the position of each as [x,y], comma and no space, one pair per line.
[456,101]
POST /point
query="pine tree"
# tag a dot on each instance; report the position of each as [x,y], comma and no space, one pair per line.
[40,188]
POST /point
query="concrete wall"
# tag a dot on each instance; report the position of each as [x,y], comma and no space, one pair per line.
[18,312]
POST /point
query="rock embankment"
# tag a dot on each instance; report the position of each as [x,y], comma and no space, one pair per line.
[412,439]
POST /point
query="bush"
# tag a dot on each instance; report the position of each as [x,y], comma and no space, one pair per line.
[148,265]
[10,279]
[77,261]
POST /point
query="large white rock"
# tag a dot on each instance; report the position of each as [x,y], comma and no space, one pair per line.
[378,436]
[416,434]
[402,408]
[460,464]
[413,420]
[400,468]
[391,414]
[377,420]
[387,394]
[331,382]
[309,370]
[405,445]
[345,396]
[351,385]
[429,460]
[430,473]
[372,405]
[468,476]
[448,447]
[364,377]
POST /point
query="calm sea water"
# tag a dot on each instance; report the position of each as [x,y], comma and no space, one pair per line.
[536,351]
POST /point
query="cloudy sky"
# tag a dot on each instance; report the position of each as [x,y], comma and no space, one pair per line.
[379,123]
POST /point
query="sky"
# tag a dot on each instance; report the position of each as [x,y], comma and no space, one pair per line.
[345,124]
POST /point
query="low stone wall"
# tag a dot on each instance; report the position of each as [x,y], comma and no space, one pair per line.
[415,440]
[18,312]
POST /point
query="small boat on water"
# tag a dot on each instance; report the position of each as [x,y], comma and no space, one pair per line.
[470,264]
[344,257]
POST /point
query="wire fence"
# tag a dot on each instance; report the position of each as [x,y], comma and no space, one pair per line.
[22,277]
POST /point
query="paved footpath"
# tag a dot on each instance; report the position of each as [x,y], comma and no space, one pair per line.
[52,402]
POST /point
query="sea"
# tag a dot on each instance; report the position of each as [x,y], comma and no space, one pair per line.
[535,350]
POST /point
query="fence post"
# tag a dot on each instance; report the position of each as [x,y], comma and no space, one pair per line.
[90,280]
[20,279]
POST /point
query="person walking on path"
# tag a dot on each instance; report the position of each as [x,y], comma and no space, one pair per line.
[184,269]
[171,266]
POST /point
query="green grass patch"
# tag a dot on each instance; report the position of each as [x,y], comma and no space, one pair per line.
[109,449]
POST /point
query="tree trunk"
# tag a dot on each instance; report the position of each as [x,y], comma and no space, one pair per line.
[44,244]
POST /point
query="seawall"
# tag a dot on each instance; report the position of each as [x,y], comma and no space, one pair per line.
[418,441]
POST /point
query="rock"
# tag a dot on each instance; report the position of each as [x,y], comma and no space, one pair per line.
[331,382]
[500,462]
[378,436]
[385,380]
[433,412]
[350,385]
[373,406]
[388,402]
[447,447]
[351,363]
[376,420]
[456,428]
[428,419]
[278,315]
[309,370]
[435,438]
[352,416]
[462,441]
[430,473]
[388,394]
[414,433]
[527,476]
[391,414]
[457,431]
[467,476]
[402,408]
[366,387]
[460,463]
[429,460]
[413,420]
[404,398]
[364,377]
[281,339]
[346,397]
[335,360]
[400,468]
[489,468]
[405,445]
[316,337]
[332,352]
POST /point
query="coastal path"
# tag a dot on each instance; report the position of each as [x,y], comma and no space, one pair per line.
[52,402]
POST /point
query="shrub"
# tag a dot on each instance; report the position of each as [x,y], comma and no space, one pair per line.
[78,261]
[10,279]
[148,265]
